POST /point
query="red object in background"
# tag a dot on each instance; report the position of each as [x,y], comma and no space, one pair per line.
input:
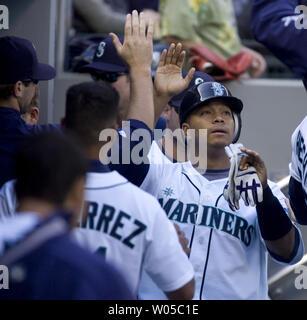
[206,60]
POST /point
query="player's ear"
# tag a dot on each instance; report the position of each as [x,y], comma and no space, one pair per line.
[18,89]
[185,127]
[34,115]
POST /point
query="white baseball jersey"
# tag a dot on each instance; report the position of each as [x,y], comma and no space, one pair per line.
[133,232]
[298,166]
[129,227]
[228,253]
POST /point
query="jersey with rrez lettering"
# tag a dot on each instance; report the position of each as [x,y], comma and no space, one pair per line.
[228,253]
[129,227]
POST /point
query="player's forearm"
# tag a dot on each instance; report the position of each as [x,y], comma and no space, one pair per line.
[276,227]
[141,101]
[184,293]
[160,102]
[284,246]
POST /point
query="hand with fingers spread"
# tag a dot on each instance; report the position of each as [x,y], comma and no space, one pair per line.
[168,79]
[137,48]
[137,51]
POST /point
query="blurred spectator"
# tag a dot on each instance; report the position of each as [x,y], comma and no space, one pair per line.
[274,25]
[242,9]
[104,16]
[210,24]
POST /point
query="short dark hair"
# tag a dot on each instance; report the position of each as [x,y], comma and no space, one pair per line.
[6,90]
[46,167]
[90,108]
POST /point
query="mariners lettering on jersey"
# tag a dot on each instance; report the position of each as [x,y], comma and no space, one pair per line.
[211,217]
[112,222]
[301,156]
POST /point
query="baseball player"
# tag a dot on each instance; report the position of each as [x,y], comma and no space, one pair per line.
[20,73]
[171,114]
[229,249]
[281,26]
[108,66]
[35,244]
[122,222]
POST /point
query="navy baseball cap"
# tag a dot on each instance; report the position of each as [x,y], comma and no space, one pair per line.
[19,62]
[106,59]
[199,77]
[202,93]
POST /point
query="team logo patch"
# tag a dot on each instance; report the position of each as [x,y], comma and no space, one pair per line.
[198,81]
[168,192]
[218,89]
[100,50]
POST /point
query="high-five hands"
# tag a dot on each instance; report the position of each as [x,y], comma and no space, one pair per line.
[168,78]
[137,48]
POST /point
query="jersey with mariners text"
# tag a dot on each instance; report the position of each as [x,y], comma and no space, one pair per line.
[228,253]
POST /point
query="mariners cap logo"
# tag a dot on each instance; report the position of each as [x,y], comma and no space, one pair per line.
[218,89]
[100,49]
[198,81]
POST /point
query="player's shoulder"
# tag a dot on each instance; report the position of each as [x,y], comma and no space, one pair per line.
[302,127]
[115,182]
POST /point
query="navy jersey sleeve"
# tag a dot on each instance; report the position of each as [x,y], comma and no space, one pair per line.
[132,146]
[37,129]
[273,24]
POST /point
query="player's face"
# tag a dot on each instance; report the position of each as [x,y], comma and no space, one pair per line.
[26,97]
[217,118]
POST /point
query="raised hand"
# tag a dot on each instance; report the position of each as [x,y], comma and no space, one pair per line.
[137,48]
[168,78]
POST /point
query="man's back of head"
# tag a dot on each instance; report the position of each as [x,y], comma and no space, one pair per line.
[90,108]
[49,168]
